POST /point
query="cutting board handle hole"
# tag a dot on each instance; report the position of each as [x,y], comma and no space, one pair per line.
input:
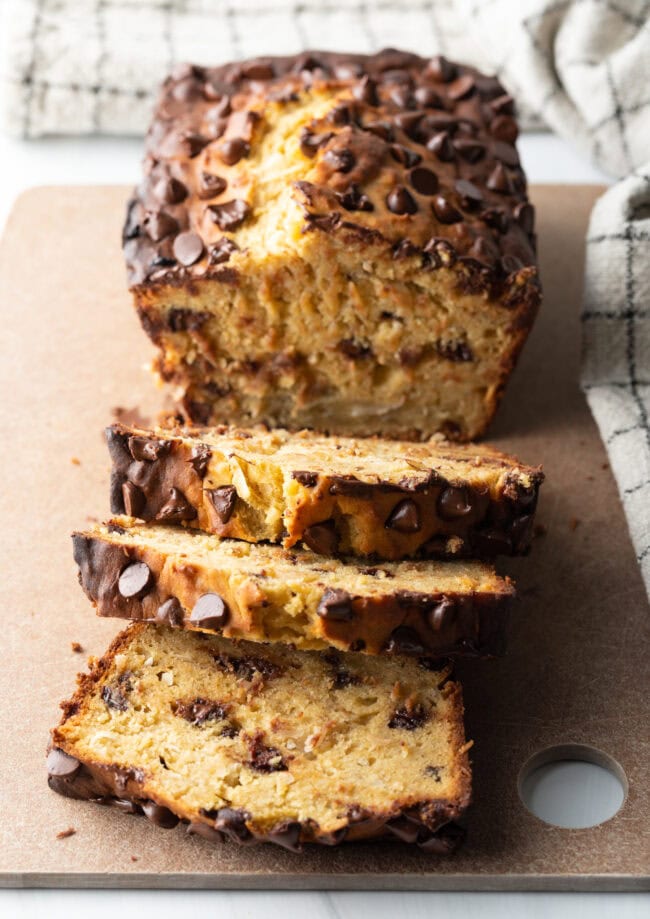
[574,786]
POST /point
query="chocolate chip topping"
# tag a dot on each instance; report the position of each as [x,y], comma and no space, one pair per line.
[441,614]
[170,190]
[211,185]
[454,503]
[176,508]
[233,150]
[223,500]
[440,144]
[445,211]
[340,160]
[145,449]
[424,180]
[171,613]
[405,517]
[440,69]
[405,641]
[199,458]
[400,201]
[222,250]
[322,537]
[210,612]
[230,215]
[336,606]
[135,581]
[308,479]
[134,499]
[61,765]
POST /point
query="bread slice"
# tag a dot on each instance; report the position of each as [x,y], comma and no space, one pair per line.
[333,241]
[358,497]
[251,743]
[268,594]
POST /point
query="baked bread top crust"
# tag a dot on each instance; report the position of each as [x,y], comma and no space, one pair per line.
[406,157]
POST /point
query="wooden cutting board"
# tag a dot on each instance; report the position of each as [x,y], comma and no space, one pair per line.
[577,669]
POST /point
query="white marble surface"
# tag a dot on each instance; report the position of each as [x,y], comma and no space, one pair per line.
[116,160]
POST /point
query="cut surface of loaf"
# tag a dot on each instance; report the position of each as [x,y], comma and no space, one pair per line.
[261,743]
[362,497]
[264,593]
[342,242]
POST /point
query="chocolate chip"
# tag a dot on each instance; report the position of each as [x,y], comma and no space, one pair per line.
[322,538]
[341,114]
[433,772]
[222,107]
[353,348]
[405,517]
[461,88]
[171,613]
[400,201]
[233,150]
[458,351]
[335,605]
[198,711]
[402,154]
[510,264]
[404,640]
[409,122]
[221,251]
[233,824]
[134,580]
[263,758]
[310,143]
[61,765]
[176,508]
[470,195]
[504,128]
[427,97]
[145,449]
[341,160]
[454,502]
[211,185]
[423,180]
[223,500]
[408,719]
[188,248]
[440,614]
[230,215]
[210,612]
[257,70]
[440,252]
[170,190]
[286,834]
[484,251]
[192,144]
[308,479]
[353,199]
[470,150]
[381,129]
[498,180]
[114,696]
[133,498]
[401,96]
[489,543]
[445,211]
[404,249]
[524,214]
[405,829]
[506,153]
[366,91]
[440,69]
[199,458]
[159,815]
[158,224]
[440,144]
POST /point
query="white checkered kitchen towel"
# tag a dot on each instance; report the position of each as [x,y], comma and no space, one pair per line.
[581,67]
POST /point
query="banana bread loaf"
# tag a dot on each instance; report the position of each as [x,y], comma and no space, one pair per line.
[250,743]
[362,497]
[265,593]
[336,242]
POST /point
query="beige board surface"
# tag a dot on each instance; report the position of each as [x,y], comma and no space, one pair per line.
[577,668]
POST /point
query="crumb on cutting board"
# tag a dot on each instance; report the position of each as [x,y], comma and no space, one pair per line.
[76,647]
[63,834]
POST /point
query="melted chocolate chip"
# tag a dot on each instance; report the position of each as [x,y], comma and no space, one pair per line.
[210,612]
[199,458]
[198,711]
[223,500]
[262,758]
[404,641]
[230,215]
[408,719]
[335,606]
[233,150]
[308,479]
[134,581]
[353,199]
[188,248]
[159,815]
[144,449]
[405,517]
[441,614]
[245,668]
[176,508]
[133,498]
[211,185]
[454,502]
[445,211]
[423,180]
[340,160]
[400,201]
[366,91]
[171,613]
[322,538]
[232,823]
[310,143]
[159,224]
[222,250]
